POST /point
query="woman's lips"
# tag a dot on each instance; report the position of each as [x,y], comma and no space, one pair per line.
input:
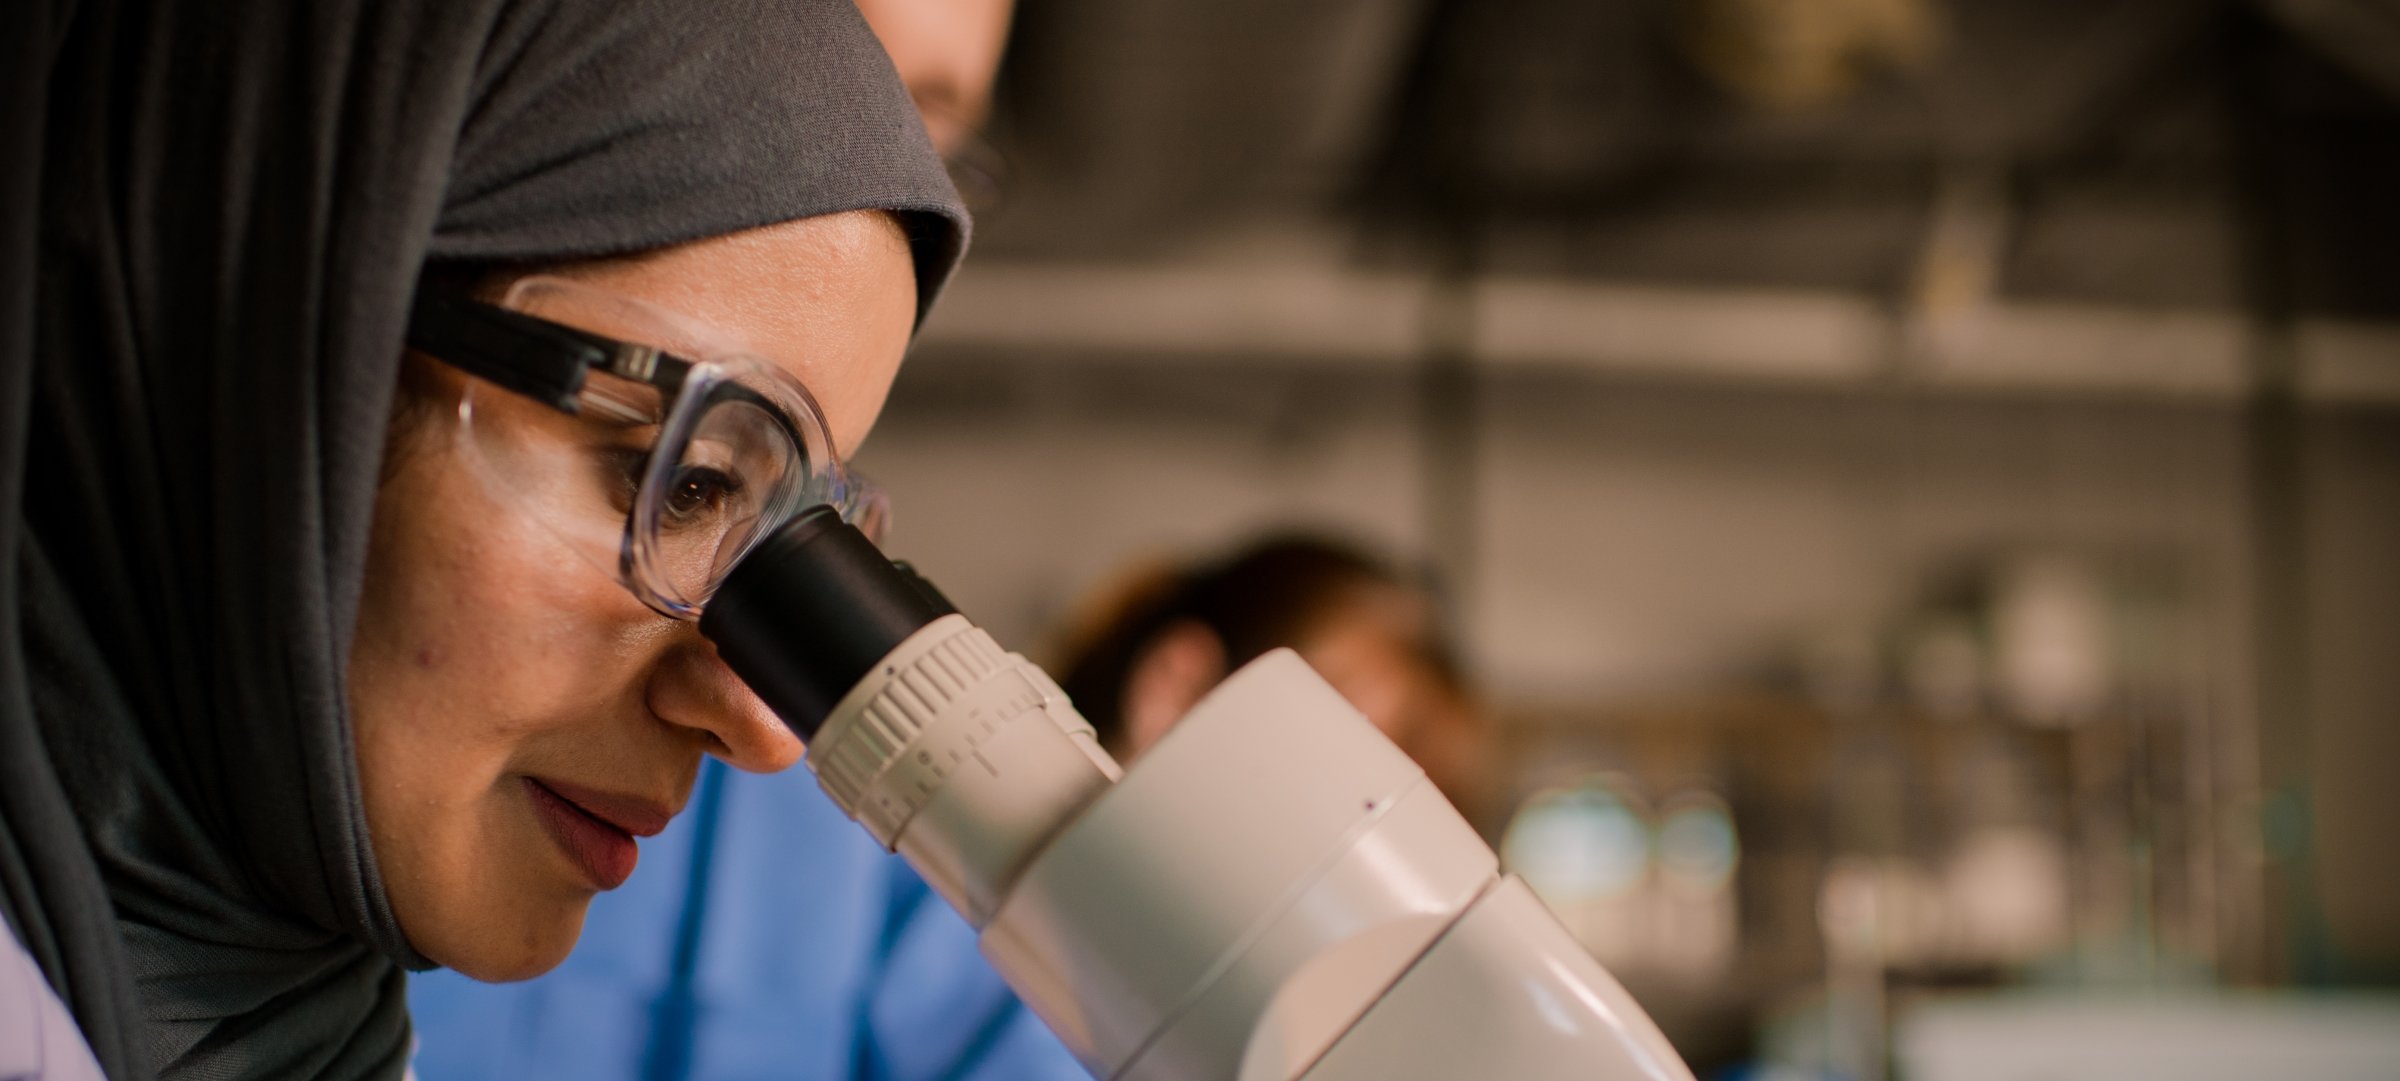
[596,829]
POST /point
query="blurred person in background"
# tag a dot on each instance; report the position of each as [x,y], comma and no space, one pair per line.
[947,53]
[769,936]
[1153,646]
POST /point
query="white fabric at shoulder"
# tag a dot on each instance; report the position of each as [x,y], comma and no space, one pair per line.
[38,1041]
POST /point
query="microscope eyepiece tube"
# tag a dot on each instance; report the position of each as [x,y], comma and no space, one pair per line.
[951,751]
[811,611]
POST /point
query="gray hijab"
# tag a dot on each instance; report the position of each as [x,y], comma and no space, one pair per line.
[215,215]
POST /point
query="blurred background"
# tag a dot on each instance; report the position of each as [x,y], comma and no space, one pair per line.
[1915,484]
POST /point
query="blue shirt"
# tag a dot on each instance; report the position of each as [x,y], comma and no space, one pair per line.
[764,936]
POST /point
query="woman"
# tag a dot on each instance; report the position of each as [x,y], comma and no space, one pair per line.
[1162,640]
[766,932]
[282,717]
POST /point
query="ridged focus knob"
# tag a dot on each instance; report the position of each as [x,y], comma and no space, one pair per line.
[862,741]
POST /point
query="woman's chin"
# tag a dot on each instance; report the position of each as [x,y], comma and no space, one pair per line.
[495,953]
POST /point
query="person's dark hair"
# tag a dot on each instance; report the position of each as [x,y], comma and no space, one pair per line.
[1270,593]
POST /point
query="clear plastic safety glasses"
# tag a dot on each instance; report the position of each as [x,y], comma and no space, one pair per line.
[649,444]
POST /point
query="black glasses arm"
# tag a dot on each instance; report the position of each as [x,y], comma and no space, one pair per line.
[549,361]
[531,356]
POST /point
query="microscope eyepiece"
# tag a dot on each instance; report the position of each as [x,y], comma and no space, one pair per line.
[810,611]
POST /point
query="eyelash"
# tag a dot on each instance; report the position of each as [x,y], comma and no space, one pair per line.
[628,464]
[723,487]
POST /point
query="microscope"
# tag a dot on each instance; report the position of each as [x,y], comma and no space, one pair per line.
[1275,893]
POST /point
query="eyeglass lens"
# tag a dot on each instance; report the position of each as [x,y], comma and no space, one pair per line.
[735,474]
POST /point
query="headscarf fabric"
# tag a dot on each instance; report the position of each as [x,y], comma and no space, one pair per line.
[216,214]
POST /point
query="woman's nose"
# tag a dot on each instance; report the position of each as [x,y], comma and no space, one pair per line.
[693,688]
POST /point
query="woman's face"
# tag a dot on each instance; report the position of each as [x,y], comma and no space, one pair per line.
[519,716]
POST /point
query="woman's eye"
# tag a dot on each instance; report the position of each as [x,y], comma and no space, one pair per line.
[699,492]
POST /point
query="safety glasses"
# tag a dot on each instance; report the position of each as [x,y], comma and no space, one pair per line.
[653,447]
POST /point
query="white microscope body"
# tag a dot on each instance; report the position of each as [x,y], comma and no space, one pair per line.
[1274,893]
